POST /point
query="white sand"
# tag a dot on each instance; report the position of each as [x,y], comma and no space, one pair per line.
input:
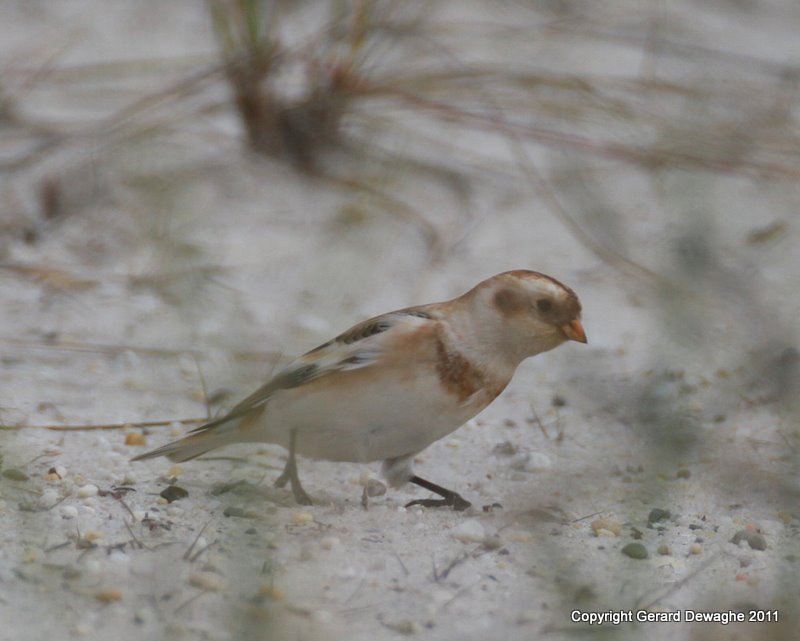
[674,404]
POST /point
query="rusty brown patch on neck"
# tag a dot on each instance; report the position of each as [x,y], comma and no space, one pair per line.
[460,377]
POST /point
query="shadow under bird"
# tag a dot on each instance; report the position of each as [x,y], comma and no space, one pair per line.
[390,386]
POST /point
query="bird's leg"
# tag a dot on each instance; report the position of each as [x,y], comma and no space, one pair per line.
[449,498]
[289,474]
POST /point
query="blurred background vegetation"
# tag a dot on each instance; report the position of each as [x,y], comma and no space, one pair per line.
[214,186]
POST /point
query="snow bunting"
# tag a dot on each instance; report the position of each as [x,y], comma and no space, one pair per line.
[390,386]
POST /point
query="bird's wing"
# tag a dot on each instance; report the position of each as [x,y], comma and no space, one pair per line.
[360,346]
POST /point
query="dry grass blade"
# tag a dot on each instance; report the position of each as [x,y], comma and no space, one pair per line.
[548,195]
[71,345]
[653,156]
[53,277]
[114,426]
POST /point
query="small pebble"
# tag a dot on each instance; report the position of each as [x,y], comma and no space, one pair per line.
[754,539]
[93,567]
[109,595]
[682,474]
[271,592]
[506,448]
[520,537]
[83,629]
[84,543]
[224,487]
[302,518]
[208,581]
[531,462]
[657,514]
[635,551]
[606,524]
[347,573]
[119,557]
[695,548]
[405,627]
[142,616]
[374,487]
[438,597]
[322,616]
[329,542]
[664,550]
[750,579]
[48,498]
[538,462]
[493,542]
[14,474]
[135,438]
[71,572]
[469,531]
[69,511]
[87,490]
[173,493]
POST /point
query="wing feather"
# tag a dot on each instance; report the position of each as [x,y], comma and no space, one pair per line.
[360,346]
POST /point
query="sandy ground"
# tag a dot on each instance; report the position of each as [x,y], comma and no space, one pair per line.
[675,428]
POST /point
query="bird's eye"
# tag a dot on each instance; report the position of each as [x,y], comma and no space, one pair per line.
[544,305]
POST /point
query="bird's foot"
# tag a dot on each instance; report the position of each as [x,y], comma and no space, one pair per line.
[290,475]
[456,501]
[300,495]
[449,498]
[282,480]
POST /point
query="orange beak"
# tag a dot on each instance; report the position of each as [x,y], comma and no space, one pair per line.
[574,331]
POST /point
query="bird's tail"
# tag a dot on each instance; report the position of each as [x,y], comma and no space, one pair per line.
[198,442]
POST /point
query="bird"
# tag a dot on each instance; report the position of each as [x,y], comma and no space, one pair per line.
[391,385]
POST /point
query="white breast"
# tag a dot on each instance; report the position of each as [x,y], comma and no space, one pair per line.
[368,421]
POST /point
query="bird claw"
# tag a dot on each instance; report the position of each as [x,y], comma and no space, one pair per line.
[289,475]
[455,501]
[301,497]
[298,492]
